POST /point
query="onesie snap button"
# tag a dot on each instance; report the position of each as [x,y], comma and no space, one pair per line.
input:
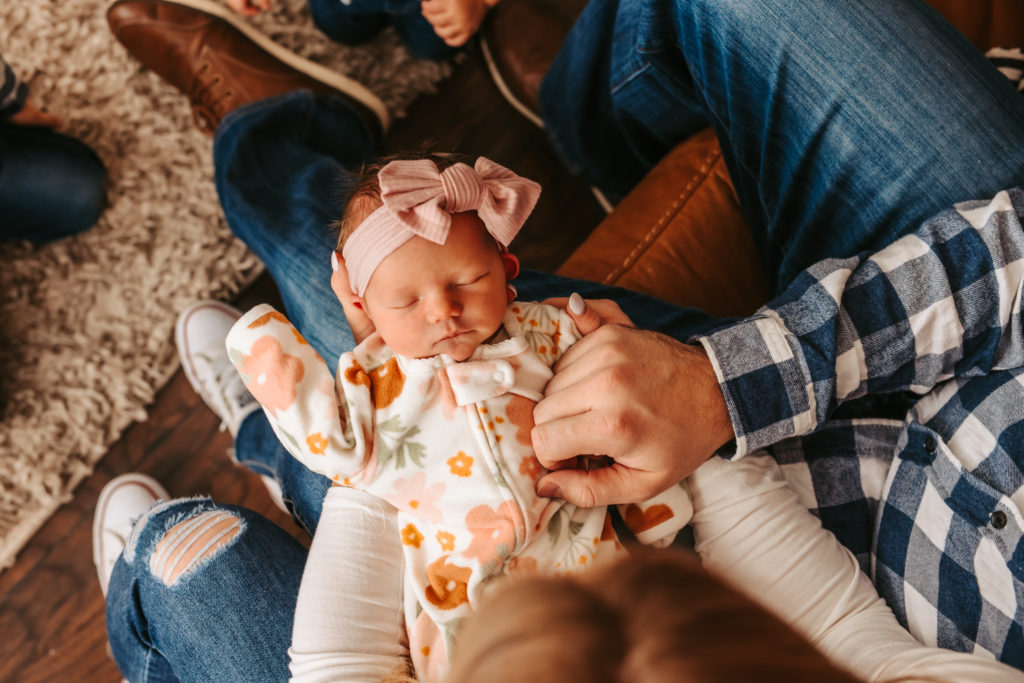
[929,444]
[998,519]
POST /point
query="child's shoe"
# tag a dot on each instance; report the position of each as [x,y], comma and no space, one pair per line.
[121,503]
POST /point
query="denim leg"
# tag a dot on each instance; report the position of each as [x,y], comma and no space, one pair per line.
[303,490]
[51,185]
[204,592]
[844,124]
[350,23]
[280,165]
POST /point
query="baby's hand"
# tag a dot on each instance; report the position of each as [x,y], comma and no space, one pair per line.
[455,21]
[249,7]
[362,326]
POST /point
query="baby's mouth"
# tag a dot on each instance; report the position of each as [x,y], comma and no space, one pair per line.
[453,335]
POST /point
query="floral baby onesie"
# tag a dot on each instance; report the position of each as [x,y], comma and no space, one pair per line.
[448,444]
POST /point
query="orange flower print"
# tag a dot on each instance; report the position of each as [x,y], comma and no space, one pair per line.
[388,382]
[416,496]
[493,530]
[317,443]
[519,412]
[530,468]
[411,536]
[266,318]
[354,374]
[460,465]
[446,541]
[273,374]
[448,584]
[299,338]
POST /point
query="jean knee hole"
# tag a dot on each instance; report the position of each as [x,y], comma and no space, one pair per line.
[192,543]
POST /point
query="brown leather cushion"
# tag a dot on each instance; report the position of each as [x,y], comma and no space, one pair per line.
[679,235]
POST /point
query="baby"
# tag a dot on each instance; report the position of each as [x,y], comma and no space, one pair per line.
[433,411]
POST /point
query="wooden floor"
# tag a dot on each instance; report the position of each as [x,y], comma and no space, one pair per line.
[51,610]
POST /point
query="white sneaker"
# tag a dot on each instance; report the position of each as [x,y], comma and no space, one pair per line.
[122,502]
[200,333]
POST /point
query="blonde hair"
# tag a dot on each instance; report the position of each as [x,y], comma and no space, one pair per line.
[657,617]
[364,198]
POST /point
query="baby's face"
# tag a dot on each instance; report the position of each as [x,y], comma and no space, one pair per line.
[426,298]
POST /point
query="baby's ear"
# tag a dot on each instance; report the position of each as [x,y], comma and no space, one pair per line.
[511,264]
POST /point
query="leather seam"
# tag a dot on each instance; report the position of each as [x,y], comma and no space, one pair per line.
[659,226]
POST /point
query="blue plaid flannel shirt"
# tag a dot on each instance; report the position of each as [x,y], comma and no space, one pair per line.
[930,503]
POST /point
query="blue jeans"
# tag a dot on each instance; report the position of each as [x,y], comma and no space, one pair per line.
[51,185]
[816,174]
[360,20]
[843,124]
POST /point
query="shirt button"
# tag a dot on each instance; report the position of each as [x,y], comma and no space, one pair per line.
[998,519]
[929,444]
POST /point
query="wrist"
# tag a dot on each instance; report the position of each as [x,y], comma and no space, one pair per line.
[717,418]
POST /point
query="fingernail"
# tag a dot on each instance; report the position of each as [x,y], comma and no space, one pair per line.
[334,261]
[549,490]
[576,305]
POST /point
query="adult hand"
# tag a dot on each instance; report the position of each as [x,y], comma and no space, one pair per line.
[454,21]
[362,326]
[30,115]
[249,8]
[650,403]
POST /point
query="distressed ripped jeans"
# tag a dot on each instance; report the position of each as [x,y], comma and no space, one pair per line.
[195,574]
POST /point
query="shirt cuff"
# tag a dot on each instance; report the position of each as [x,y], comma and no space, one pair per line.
[765,381]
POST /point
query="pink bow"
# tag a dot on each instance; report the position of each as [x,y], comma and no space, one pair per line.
[423,199]
[420,200]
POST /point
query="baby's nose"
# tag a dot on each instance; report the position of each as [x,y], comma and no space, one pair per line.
[444,306]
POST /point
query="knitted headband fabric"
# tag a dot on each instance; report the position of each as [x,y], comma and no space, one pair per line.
[419,200]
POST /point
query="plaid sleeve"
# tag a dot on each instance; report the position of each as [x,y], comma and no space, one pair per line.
[12,91]
[939,303]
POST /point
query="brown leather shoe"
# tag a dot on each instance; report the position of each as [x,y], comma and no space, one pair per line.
[518,58]
[221,62]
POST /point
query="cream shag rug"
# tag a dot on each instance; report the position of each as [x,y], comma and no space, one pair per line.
[86,324]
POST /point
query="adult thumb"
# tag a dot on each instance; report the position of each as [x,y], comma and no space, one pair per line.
[586,318]
[579,487]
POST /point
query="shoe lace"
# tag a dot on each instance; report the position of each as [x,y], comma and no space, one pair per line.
[210,101]
[228,388]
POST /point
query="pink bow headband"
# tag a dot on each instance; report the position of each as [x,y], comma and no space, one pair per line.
[420,200]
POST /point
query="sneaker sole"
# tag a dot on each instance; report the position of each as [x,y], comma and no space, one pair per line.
[340,82]
[147,482]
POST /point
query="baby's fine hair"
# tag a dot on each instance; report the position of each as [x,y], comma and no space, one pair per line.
[656,617]
[364,197]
